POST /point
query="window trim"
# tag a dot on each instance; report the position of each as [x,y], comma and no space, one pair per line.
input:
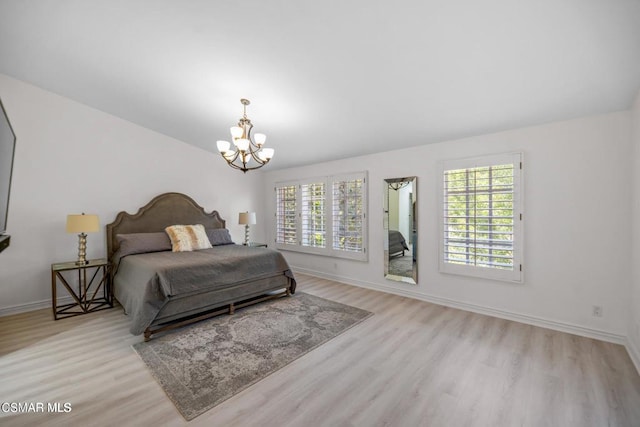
[328,250]
[517,274]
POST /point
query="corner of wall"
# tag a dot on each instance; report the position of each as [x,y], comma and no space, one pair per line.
[633,328]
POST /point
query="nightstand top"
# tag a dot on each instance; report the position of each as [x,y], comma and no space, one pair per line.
[71,265]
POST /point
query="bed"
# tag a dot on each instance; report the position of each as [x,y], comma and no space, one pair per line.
[397,243]
[161,290]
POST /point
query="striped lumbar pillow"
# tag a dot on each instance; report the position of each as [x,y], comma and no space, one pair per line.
[186,238]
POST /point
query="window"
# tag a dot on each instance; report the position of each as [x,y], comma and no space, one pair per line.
[325,216]
[482,217]
[286,214]
[348,215]
[312,215]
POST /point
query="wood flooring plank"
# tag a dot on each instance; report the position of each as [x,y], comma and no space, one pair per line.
[411,364]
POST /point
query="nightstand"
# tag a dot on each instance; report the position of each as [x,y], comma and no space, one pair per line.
[257,245]
[93,294]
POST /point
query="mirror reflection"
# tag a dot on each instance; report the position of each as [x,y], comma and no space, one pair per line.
[400,229]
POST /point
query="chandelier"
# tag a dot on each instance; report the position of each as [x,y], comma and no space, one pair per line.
[246,154]
[397,184]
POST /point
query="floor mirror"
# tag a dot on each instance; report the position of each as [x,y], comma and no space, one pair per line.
[400,229]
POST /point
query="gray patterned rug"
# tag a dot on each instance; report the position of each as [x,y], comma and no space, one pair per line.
[203,365]
[401,266]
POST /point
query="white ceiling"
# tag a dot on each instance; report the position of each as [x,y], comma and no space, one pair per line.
[329,79]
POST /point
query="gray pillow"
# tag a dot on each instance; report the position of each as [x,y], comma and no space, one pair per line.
[219,236]
[141,243]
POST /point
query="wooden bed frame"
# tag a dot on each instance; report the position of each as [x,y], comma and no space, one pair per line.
[176,208]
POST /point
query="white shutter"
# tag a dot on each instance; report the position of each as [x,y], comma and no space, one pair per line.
[480,217]
[348,216]
[323,216]
[286,214]
[312,214]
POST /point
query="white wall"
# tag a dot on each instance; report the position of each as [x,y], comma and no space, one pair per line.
[633,343]
[394,200]
[71,158]
[577,219]
[404,212]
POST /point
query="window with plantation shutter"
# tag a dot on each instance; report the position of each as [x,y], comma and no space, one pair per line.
[312,215]
[348,215]
[482,217]
[323,216]
[286,224]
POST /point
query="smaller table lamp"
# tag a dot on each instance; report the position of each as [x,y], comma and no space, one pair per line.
[82,224]
[246,218]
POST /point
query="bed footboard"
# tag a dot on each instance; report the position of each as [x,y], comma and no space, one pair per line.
[217,309]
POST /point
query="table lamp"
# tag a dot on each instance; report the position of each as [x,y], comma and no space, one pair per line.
[82,224]
[246,218]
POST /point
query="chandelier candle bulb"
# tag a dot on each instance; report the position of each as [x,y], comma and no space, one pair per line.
[249,150]
[242,144]
[237,132]
[260,138]
[268,153]
[223,146]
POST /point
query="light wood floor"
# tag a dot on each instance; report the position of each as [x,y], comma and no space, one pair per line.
[411,364]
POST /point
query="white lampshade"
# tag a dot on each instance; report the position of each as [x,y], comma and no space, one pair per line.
[223,146]
[83,223]
[245,218]
[260,138]
[236,132]
[242,144]
[267,153]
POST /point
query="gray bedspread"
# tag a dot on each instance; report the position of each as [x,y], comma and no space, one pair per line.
[396,242]
[144,283]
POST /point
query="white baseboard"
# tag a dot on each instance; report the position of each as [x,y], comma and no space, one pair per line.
[634,354]
[31,306]
[489,311]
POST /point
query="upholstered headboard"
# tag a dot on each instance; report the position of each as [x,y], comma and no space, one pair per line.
[164,210]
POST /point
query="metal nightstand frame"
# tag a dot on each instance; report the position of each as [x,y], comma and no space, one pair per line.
[87,299]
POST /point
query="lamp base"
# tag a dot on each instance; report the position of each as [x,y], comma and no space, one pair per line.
[82,249]
[246,235]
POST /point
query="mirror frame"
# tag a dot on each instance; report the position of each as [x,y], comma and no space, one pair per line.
[387,187]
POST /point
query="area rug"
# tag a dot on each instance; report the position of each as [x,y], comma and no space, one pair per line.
[401,266]
[203,365]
